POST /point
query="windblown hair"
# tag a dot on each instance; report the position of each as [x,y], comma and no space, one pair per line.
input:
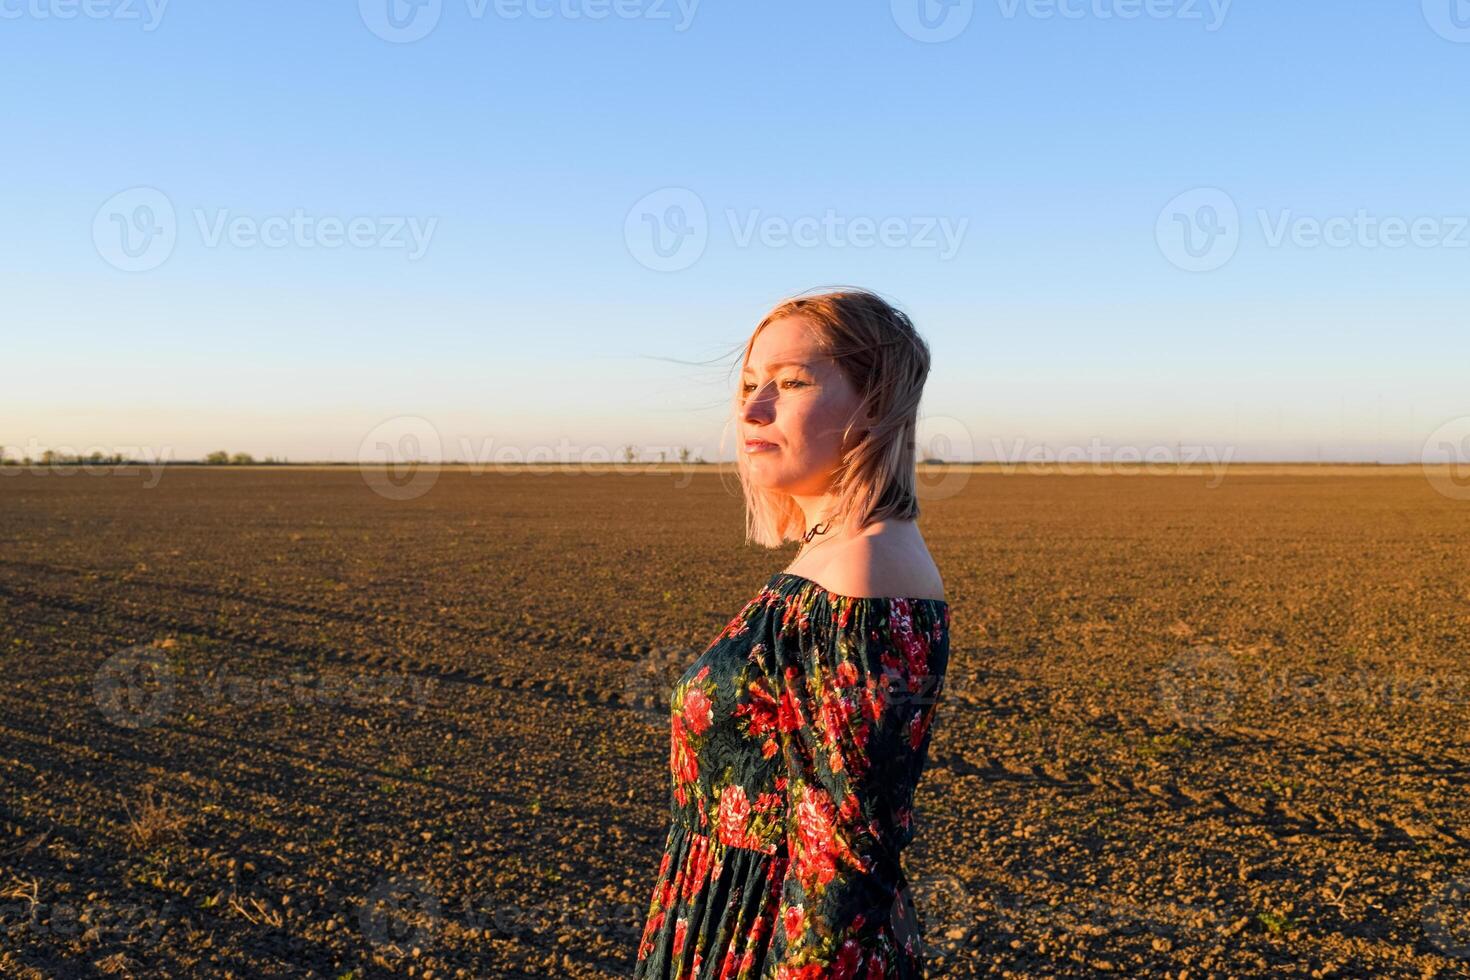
[877,349]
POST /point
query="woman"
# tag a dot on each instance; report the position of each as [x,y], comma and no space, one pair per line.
[799,734]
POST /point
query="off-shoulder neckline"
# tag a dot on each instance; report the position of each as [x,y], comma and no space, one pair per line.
[855,598]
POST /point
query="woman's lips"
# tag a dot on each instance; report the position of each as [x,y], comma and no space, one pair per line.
[758,445]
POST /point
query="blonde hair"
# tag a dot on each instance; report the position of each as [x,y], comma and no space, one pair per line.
[877,349]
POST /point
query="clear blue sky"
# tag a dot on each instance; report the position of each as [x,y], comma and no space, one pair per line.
[1060,312]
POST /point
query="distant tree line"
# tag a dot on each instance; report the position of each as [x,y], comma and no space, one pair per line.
[630,455]
[51,457]
[221,458]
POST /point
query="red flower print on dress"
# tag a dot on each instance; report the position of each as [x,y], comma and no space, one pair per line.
[794,922]
[848,958]
[682,760]
[835,716]
[760,715]
[788,715]
[918,725]
[760,711]
[733,817]
[697,709]
[914,647]
[875,695]
[697,871]
[819,848]
[738,625]
[651,929]
[791,805]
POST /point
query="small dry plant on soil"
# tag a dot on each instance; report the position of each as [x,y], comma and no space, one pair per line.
[153,821]
[28,889]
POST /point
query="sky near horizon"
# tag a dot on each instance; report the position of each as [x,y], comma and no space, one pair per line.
[534,226]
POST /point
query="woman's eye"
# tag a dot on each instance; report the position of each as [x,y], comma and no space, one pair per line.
[747,388]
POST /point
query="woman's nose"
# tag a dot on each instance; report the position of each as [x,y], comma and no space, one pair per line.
[758,406]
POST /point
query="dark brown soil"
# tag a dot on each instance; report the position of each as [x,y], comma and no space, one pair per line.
[269,723]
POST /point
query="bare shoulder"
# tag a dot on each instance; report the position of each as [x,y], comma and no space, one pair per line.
[888,559]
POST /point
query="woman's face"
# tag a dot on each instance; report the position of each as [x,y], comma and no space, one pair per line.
[794,406]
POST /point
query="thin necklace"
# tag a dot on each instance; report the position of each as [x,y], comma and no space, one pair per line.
[806,539]
[824,528]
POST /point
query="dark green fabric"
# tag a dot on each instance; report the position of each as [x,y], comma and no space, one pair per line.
[797,740]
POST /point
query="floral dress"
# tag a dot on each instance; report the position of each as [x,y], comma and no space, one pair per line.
[797,741]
